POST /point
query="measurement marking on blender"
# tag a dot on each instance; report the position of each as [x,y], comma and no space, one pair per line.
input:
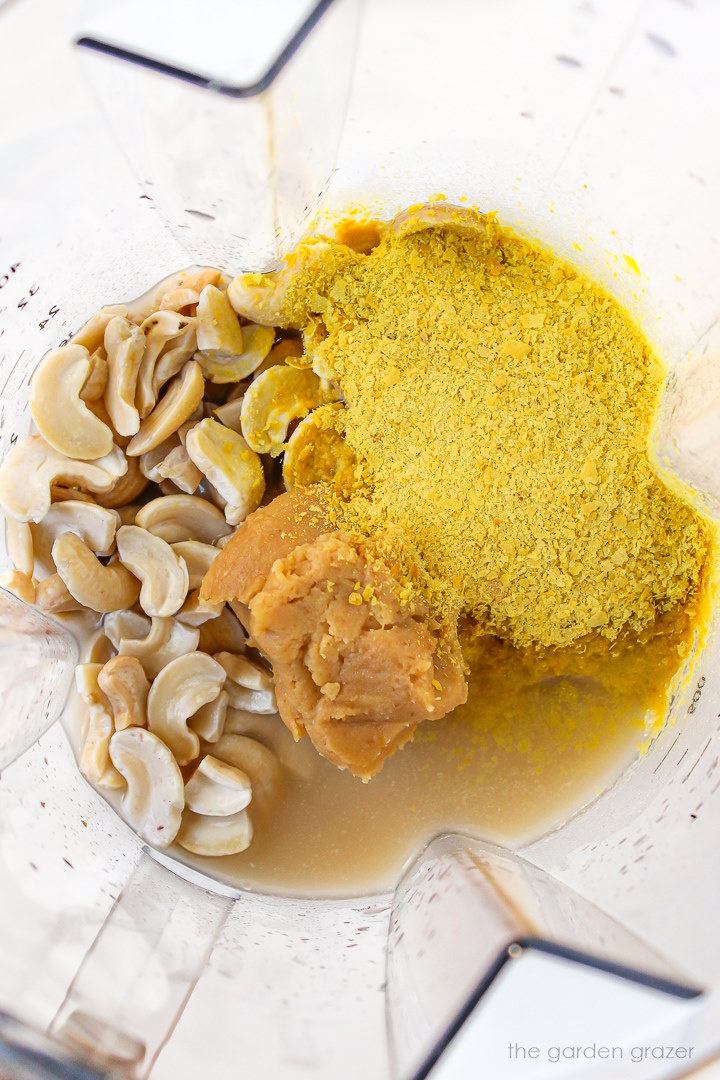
[12,372]
[707,744]
[668,751]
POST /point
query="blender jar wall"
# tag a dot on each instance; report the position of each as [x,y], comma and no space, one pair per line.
[581,124]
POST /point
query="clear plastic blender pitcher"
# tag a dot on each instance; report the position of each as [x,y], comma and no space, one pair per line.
[594,128]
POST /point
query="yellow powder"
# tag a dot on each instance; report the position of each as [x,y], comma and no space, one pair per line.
[498,405]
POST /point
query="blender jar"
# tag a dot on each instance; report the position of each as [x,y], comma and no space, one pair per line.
[588,126]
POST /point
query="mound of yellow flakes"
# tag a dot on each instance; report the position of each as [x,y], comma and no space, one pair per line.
[498,404]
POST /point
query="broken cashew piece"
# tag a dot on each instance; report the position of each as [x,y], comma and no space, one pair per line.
[209,720]
[97,649]
[124,346]
[195,611]
[52,596]
[155,796]
[276,398]
[61,416]
[233,469]
[19,543]
[183,517]
[95,763]
[260,297]
[158,329]
[179,468]
[316,452]
[126,687]
[94,524]
[33,466]
[198,558]
[249,686]
[217,789]
[163,574]
[100,588]
[255,759]
[94,386]
[19,584]
[215,836]
[180,689]
[227,352]
[126,489]
[172,360]
[182,397]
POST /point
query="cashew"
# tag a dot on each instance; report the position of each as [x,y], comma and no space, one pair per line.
[33,466]
[230,466]
[229,414]
[94,386]
[195,611]
[459,219]
[124,345]
[19,584]
[177,299]
[198,559]
[209,720]
[179,690]
[172,360]
[126,489]
[195,278]
[260,764]
[164,640]
[95,763]
[86,683]
[217,789]
[223,633]
[99,409]
[98,587]
[286,350]
[158,329]
[228,352]
[163,574]
[179,468]
[60,493]
[276,398]
[260,297]
[19,543]
[123,682]
[149,462]
[183,517]
[61,416]
[93,524]
[249,686]
[97,648]
[155,796]
[210,836]
[92,334]
[52,596]
[182,397]
[316,452]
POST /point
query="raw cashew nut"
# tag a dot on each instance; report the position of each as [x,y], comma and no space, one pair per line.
[458,219]
[123,682]
[52,596]
[154,644]
[180,689]
[205,835]
[183,517]
[195,611]
[178,467]
[194,277]
[94,524]
[223,633]
[230,465]
[163,574]
[95,763]
[182,397]
[260,297]
[33,466]
[92,334]
[98,587]
[177,299]
[19,584]
[229,414]
[97,649]
[124,345]
[217,789]
[86,683]
[198,559]
[276,398]
[260,764]
[316,452]
[209,720]
[228,352]
[94,386]
[126,489]
[60,414]
[158,329]
[249,686]
[155,796]
[19,543]
[172,360]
